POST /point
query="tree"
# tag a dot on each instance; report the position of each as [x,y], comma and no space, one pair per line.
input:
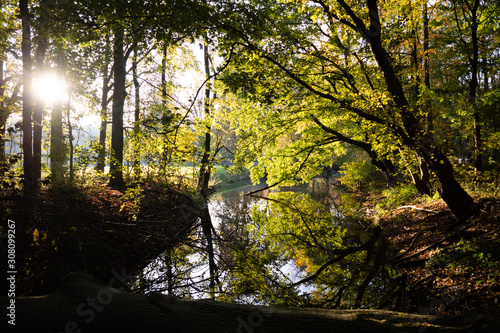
[119,93]
[84,303]
[206,163]
[146,25]
[6,102]
[106,88]
[137,112]
[463,75]
[38,110]
[471,17]
[319,51]
[29,176]
[57,144]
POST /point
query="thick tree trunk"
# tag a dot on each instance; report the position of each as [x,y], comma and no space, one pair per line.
[413,134]
[27,98]
[458,200]
[83,304]
[119,93]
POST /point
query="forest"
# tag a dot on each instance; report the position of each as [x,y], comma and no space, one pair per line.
[257,165]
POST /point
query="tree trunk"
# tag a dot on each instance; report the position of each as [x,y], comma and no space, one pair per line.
[473,85]
[119,93]
[27,92]
[101,157]
[83,304]
[38,108]
[205,167]
[413,136]
[57,146]
[4,113]
[137,112]
[458,200]
[204,178]
[427,77]
[70,139]
[167,150]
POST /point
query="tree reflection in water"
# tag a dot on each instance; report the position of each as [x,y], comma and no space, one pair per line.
[280,248]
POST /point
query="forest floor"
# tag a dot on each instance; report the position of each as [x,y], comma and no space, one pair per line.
[97,230]
[448,266]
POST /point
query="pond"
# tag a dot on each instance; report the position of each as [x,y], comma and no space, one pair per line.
[292,246]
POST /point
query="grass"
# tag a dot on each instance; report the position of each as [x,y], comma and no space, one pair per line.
[224,180]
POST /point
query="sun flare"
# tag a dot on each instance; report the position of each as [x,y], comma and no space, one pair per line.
[49,88]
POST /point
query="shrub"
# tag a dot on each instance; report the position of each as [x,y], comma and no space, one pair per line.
[398,196]
[357,173]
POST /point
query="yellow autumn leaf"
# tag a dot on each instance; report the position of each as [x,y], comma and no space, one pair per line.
[36,235]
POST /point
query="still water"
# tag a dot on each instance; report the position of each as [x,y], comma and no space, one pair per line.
[286,246]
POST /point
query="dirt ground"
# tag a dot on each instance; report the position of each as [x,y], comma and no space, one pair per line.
[93,230]
[449,266]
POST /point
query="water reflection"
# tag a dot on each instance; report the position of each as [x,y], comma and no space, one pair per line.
[289,247]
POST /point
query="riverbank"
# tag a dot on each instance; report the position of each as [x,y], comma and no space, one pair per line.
[223,180]
[95,229]
[446,267]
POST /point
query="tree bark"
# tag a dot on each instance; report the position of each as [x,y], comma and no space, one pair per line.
[101,157]
[119,93]
[473,86]
[83,304]
[27,102]
[457,199]
[205,167]
[57,146]
[427,76]
[137,112]
[38,108]
[4,113]
[70,140]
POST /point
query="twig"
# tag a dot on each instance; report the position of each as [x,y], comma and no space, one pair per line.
[435,244]
[409,247]
[418,208]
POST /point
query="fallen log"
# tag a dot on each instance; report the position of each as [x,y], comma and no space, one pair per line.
[84,304]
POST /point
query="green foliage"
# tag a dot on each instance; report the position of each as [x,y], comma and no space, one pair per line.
[135,196]
[356,174]
[398,196]
[469,255]
[10,177]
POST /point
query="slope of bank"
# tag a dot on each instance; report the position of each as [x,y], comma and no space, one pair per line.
[448,266]
[97,230]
